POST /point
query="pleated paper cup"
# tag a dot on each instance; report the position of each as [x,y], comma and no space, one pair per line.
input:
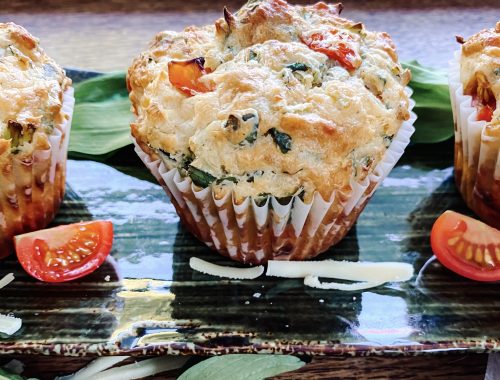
[32,188]
[477,153]
[253,233]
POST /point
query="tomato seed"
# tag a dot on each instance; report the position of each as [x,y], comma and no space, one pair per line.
[478,256]
[453,241]
[48,259]
[83,251]
[487,258]
[468,253]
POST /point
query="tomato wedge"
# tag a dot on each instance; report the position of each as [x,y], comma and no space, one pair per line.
[185,76]
[467,246]
[65,253]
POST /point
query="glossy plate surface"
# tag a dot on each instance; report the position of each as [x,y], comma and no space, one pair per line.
[148,300]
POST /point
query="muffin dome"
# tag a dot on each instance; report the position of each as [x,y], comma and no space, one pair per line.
[479,67]
[271,129]
[35,109]
[275,100]
[32,87]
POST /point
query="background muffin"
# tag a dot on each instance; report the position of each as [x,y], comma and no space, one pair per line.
[475,93]
[280,117]
[35,109]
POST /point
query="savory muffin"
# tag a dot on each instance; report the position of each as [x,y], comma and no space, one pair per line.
[279,109]
[475,90]
[34,128]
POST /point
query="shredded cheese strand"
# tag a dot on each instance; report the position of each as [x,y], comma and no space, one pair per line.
[343,270]
[222,271]
[314,282]
[6,280]
[9,325]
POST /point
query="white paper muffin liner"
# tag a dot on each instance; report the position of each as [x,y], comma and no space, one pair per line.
[31,189]
[252,233]
[477,153]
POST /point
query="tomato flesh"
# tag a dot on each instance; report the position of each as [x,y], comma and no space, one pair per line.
[186,75]
[336,49]
[484,111]
[467,246]
[65,253]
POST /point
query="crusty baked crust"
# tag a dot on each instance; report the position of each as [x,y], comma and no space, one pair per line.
[337,115]
[480,67]
[33,134]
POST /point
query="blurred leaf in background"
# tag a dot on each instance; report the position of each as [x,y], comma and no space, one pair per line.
[101,117]
[242,367]
[430,92]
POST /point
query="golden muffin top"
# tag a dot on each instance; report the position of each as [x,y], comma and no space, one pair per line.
[272,100]
[480,75]
[31,90]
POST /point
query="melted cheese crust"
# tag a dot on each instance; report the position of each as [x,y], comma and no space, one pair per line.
[480,72]
[319,122]
[31,90]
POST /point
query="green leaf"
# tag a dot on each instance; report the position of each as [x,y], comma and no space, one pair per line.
[297,66]
[283,140]
[104,87]
[432,96]
[100,128]
[199,177]
[7,375]
[242,366]
[102,116]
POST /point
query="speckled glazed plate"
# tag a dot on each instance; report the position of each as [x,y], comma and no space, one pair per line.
[147,299]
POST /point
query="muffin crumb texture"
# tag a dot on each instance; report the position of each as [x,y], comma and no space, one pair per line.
[480,72]
[32,87]
[273,100]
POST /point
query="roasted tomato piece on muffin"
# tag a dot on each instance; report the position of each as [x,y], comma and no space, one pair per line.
[186,76]
[34,128]
[275,108]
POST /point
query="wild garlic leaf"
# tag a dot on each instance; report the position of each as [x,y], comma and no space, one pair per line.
[242,367]
[199,177]
[433,108]
[102,116]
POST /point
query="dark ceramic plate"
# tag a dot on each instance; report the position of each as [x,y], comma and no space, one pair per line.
[148,300]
